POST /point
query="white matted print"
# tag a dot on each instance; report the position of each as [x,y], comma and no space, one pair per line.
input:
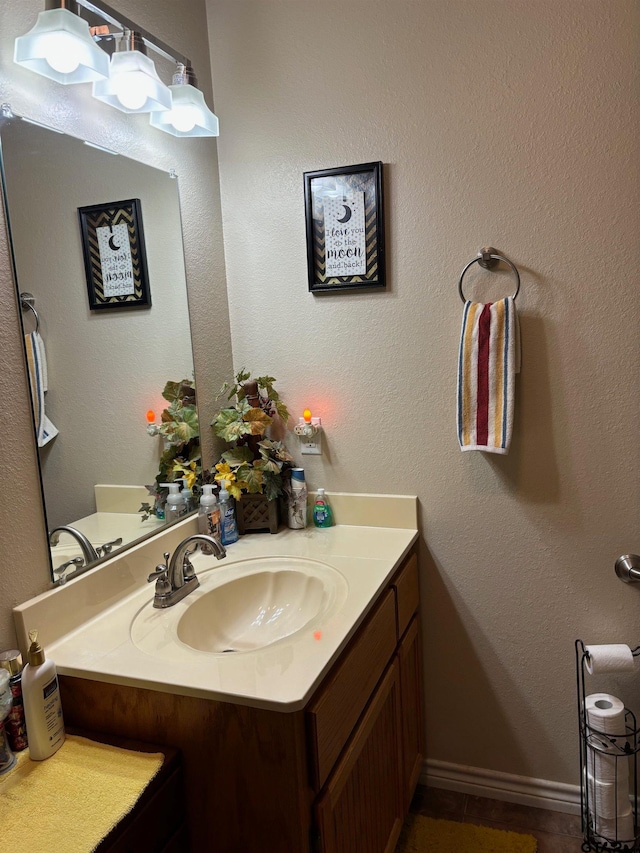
[344,228]
[115,257]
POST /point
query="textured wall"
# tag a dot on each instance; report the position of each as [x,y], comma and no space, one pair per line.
[23,551]
[501,123]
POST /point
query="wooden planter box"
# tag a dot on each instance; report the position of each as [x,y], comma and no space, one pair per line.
[256,513]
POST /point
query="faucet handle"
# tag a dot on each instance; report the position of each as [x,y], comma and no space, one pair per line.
[76,562]
[161,577]
[161,569]
[108,547]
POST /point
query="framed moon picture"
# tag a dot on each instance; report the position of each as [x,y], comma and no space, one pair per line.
[115,259]
[345,228]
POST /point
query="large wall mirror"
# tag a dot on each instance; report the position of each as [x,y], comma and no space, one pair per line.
[106,367]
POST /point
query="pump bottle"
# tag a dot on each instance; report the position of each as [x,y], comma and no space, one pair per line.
[42,707]
[175,506]
[227,517]
[209,513]
[322,513]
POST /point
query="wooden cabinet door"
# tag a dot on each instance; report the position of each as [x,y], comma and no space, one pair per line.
[410,661]
[360,808]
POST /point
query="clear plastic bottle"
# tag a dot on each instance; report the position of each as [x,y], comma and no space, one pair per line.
[209,513]
[42,707]
[322,513]
[227,517]
[175,506]
[11,660]
[7,758]
[187,495]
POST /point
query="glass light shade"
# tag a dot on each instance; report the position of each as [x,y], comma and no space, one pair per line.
[133,85]
[60,47]
[189,115]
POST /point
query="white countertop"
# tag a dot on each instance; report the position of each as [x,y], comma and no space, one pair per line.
[86,625]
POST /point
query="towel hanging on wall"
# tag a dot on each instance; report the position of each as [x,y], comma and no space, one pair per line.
[38,381]
[488,360]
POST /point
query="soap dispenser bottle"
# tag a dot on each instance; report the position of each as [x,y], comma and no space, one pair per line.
[175,506]
[209,513]
[322,514]
[227,517]
[187,495]
[42,707]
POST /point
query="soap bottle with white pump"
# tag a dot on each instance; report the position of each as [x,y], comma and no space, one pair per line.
[227,516]
[209,513]
[42,706]
[187,495]
[175,506]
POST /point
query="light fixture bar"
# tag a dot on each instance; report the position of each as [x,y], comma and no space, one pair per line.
[113,17]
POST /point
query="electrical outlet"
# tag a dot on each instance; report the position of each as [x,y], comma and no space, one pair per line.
[312,445]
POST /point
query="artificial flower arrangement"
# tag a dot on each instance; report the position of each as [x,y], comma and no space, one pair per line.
[181,458]
[256,464]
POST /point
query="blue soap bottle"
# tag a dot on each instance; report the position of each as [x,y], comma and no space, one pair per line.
[228,526]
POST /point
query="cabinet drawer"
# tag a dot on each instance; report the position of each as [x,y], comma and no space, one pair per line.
[332,715]
[407,592]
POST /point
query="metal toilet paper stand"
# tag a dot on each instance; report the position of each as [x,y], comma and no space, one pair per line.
[622,749]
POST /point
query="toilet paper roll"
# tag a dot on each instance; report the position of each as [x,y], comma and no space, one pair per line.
[605,713]
[608,799]
[603,768]
[615,829]
[611,658]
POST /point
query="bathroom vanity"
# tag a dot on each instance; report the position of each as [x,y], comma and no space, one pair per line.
[312,743]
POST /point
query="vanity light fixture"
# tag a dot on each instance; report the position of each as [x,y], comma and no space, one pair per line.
[60,46]
[189,115]
[133,85]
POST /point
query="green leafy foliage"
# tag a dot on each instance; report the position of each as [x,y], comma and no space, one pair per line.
[251,466]
[181,430]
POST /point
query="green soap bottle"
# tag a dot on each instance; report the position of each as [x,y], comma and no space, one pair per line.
[322,514]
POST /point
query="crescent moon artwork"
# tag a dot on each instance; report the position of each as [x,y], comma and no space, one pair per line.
[347,214]
[112,244]
[345,249]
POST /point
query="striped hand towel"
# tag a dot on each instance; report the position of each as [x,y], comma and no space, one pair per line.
[488,361]
[37,365]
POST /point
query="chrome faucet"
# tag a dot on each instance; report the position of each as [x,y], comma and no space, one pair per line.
[176,577]
[88,551]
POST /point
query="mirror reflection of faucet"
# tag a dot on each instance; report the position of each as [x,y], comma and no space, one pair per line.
[107,547]
[59,572]
[88,551]
[176,577]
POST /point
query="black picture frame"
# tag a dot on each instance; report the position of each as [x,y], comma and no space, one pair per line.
[115,260]
[361,187]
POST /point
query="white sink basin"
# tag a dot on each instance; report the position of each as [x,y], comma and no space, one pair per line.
[245,607]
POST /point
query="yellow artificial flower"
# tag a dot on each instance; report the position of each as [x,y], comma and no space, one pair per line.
[225,473]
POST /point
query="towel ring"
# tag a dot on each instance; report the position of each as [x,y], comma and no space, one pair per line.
[27,302]
[488,258]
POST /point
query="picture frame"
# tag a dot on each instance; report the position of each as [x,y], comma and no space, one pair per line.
[344,214]
[115,257]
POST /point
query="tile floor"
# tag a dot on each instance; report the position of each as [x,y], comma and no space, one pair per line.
[555,832]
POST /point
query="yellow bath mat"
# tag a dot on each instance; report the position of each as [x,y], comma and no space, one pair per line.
[73,799]
[426,835]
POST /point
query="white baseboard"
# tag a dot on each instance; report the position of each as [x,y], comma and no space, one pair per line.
[523,790]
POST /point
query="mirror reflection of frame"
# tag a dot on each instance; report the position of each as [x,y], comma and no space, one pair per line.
[115,258]
[105,369]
